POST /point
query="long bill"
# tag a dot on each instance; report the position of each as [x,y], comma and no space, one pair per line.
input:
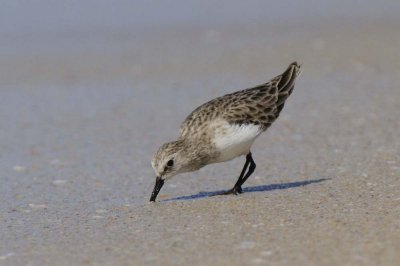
[157,188]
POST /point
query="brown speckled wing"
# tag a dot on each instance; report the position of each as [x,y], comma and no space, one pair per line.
[260,105]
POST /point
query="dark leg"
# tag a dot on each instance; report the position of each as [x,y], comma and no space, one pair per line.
[237,188]
[242,179]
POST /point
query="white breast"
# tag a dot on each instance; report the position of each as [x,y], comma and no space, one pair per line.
[234,140]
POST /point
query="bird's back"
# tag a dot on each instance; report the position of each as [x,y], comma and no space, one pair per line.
[259,106]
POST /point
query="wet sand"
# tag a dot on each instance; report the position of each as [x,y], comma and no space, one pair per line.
[81,119]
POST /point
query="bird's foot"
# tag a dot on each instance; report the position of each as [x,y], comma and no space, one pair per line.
[235,191]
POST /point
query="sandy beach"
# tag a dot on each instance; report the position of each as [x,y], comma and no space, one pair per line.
[82,116]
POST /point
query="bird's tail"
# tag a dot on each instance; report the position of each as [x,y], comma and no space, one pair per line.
[286,82]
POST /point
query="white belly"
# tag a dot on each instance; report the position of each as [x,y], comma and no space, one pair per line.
[234,140]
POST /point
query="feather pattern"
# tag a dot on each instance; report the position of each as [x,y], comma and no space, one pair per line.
[260,105]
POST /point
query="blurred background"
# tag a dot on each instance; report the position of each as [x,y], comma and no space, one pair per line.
[90,89]
[52,42]
[98,85]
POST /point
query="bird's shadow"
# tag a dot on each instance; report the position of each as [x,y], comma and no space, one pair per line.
[262,188]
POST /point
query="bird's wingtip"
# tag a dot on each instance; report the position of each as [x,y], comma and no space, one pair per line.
[295,64]
[297,67]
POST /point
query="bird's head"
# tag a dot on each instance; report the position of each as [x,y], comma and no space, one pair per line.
[172,158]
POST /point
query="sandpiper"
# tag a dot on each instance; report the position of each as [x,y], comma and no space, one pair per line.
[223,129]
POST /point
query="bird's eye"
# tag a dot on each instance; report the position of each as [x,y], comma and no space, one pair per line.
[170,163]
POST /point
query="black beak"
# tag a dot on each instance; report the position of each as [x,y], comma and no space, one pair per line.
[157,188]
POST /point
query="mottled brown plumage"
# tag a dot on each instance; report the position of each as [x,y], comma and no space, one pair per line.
[223,129]
[260,105]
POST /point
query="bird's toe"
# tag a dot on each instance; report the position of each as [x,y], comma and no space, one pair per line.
[232,191]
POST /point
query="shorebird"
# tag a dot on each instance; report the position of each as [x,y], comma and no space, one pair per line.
[223,129]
